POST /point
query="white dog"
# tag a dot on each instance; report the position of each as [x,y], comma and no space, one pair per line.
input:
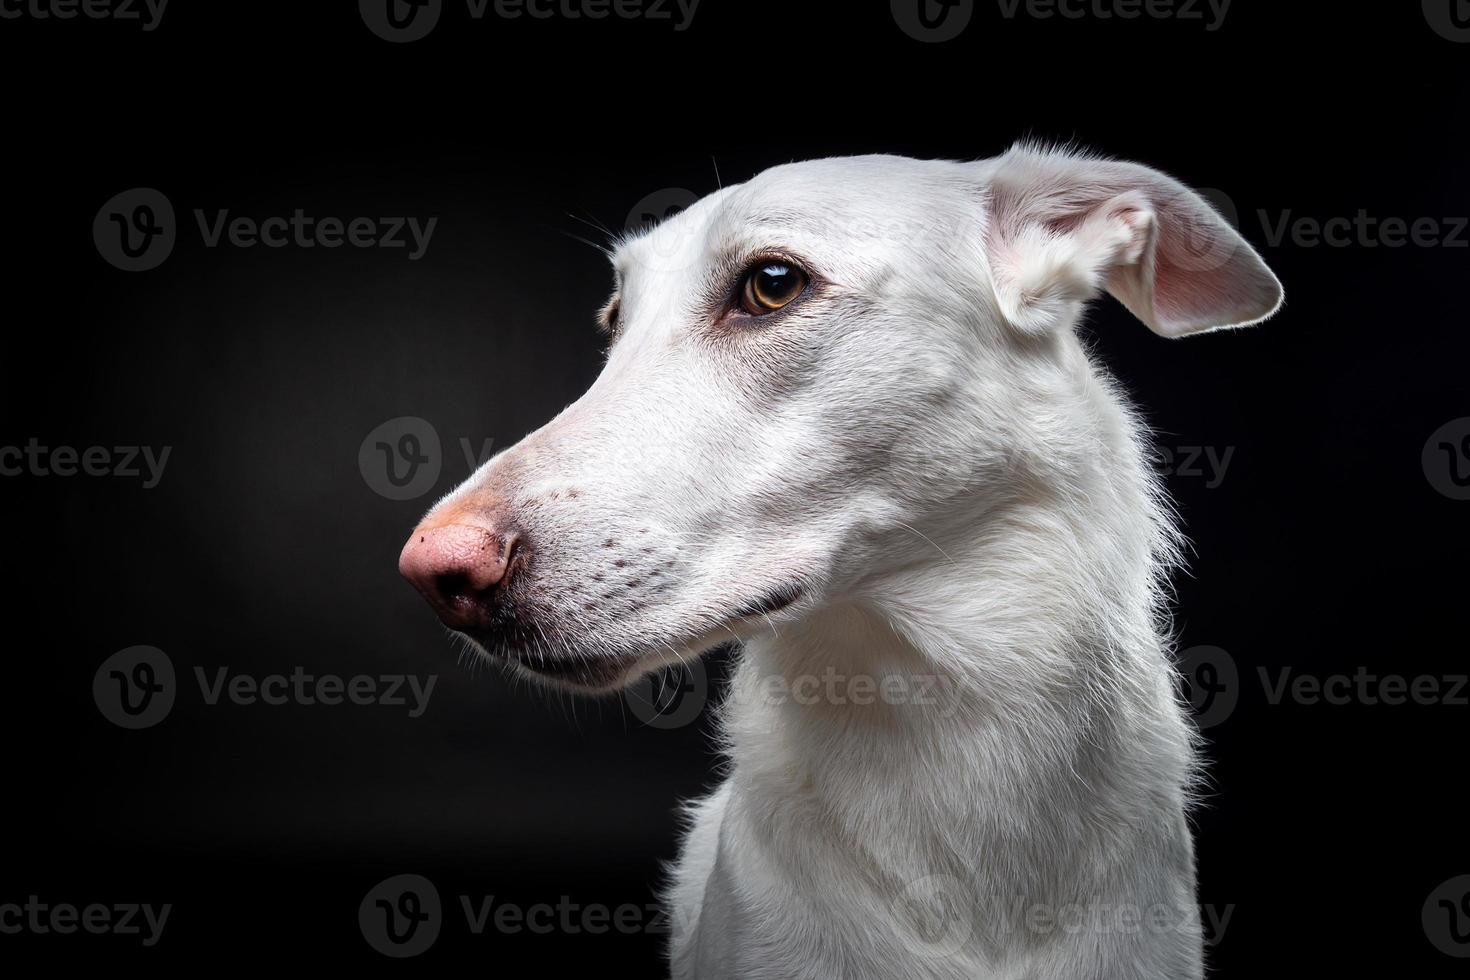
[845,418]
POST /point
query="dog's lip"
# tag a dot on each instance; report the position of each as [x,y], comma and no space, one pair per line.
[772,601]
[609,671]
[600,672]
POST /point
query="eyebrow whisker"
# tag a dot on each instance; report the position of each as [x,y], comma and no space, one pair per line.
[593,222]
[607,252]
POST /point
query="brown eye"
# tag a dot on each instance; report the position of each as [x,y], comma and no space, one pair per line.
[608,316]
[770,286]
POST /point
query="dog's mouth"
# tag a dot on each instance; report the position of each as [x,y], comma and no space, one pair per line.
[599,673]
[773,601]
[581,667]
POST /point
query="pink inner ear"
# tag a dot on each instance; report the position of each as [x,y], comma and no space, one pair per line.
[1195,273]
[1205,275]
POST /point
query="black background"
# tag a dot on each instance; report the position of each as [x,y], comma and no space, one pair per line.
[1325,548]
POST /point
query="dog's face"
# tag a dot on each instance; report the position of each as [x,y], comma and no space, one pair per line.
[802,371]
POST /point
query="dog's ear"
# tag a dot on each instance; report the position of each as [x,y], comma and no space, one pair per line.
[1062,226]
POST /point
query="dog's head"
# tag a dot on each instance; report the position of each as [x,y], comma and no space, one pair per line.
[804,371]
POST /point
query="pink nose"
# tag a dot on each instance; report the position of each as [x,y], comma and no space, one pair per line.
[462,569]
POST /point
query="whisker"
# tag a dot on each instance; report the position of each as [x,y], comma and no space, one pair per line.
[926,538]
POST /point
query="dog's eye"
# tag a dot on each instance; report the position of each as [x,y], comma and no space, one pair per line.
[771,285]
[609,316]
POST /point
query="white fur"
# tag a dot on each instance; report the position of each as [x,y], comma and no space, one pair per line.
[925,447]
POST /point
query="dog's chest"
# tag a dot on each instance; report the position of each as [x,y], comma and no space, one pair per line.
[774,899]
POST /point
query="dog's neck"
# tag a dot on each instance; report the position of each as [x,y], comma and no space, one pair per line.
[1003,709]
